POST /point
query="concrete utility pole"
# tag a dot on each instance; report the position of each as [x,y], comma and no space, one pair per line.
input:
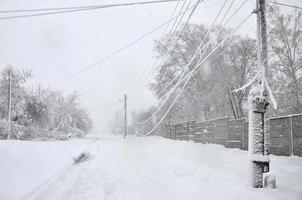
[259,160]
[9,95]
[125,109]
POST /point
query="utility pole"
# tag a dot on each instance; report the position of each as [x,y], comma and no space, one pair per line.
[259,159]
[125,109]
[9,95]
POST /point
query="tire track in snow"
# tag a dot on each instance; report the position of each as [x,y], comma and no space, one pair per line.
[118,182]
[52,180]
[89,183]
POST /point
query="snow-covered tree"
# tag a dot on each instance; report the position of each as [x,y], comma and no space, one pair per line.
[19,79]
[285,39]
[40,109]
[208,93]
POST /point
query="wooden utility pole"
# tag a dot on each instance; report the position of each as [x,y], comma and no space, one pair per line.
[259,160]
[125,109]
[9,96]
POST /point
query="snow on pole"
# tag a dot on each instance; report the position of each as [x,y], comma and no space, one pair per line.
[258,160]
[258,138]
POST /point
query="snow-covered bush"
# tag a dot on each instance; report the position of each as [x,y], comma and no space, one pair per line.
[40,113]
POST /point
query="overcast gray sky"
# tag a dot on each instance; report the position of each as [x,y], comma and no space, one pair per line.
[58,45]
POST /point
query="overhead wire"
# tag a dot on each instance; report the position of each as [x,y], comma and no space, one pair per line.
[168,52]
[181,17]
[152,69]
[205,46]
[216,56]
[173,13]
[218,29]
[174,27]
[165,97]
[62,10]
[111,54]
[87,6]
[287,5]
[176,77]
[187,78]
[194,54]
[148,68]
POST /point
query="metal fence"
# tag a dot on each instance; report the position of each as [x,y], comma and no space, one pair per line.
[285,133]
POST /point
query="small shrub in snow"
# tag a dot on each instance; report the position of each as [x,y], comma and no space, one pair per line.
[84,156]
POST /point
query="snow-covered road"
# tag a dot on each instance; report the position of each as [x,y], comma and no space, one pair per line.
[138,168]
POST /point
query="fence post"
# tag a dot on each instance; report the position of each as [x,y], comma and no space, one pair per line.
[214,135]
[188,131]
[166,130]
[291,146]
[228,126]
[242,134]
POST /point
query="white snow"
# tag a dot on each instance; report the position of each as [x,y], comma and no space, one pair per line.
[138,168]
[24,165]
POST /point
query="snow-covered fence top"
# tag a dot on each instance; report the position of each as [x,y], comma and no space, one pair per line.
[285,133]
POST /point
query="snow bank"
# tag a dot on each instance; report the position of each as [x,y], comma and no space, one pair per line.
[162,169]
[140,168]
[27,164]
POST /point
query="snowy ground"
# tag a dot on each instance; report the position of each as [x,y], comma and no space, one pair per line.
[138,168]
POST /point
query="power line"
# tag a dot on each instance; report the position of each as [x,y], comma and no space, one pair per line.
[113,53]
[172,81]
[287,5]
[88,6]
[141,86]
[188,76]
[174,23]
[187,9]
[61,10]
[173,13]
[196,53]
[205,46]
[199,50]
[180,80]
[138,92]
[148,69]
